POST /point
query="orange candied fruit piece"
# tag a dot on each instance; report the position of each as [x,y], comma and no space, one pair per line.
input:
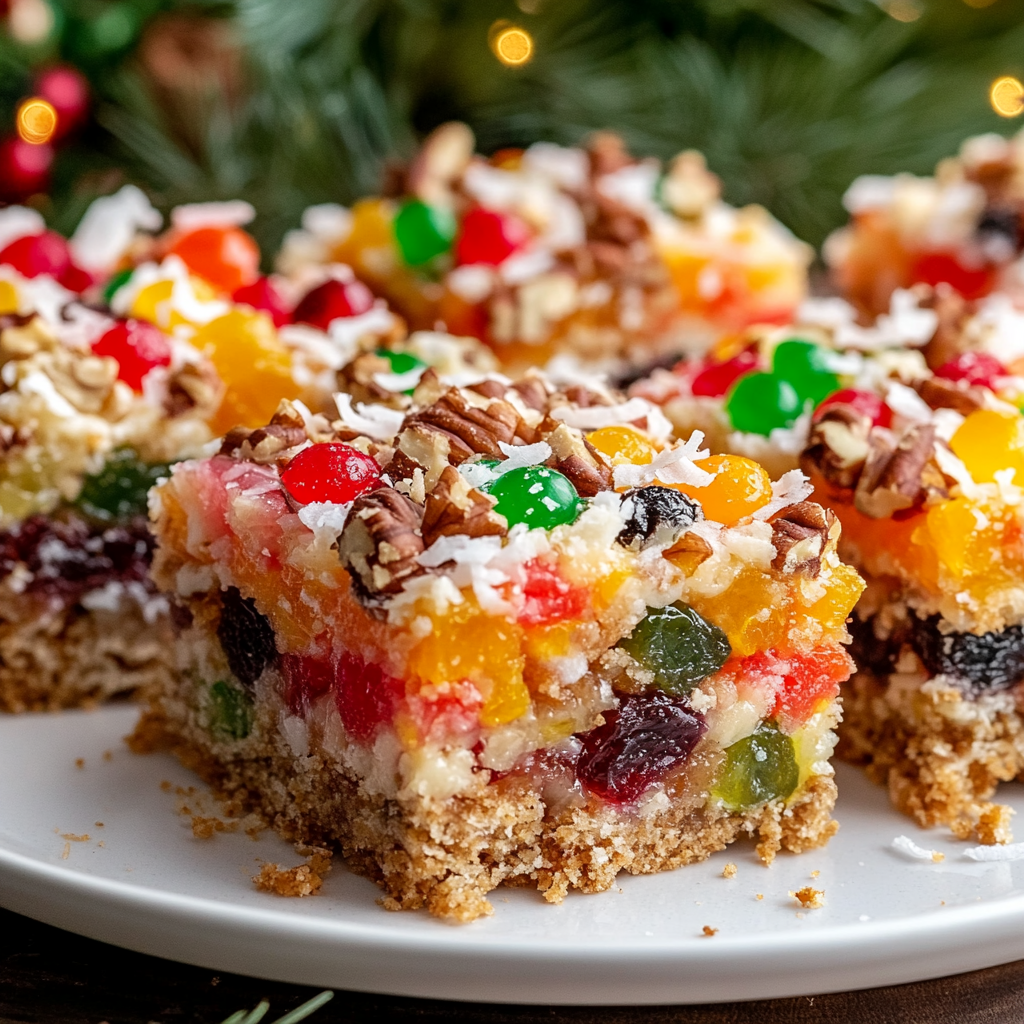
[467,644]
[255,367]
[831,611]
[739,488]
[226,257]
[989,441]
[8,298]
[753,612]
[371,229]
[623,445]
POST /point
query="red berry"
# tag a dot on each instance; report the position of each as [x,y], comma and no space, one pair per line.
[944,268]
[138,347]
[715,380]
[548,597]
[973,368]
[75,279]
[332,472]
[638,745]
[331,301]
[34,255]
[67,91]
[366,696]
[490,237]
[863,401]
[24,169]
[263,296]
[226,257]
[305,679]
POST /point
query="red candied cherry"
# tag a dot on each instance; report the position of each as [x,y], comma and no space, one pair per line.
[366,696]
[306,678]
[942,267]
[332,472]
[138,346]
[331,301]
[549,597]
[263,296]
[226,257]
[871,405]
[34,255]
[716,379]
[973,368]
[490,237]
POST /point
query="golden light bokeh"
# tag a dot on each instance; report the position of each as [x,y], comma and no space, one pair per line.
[512,45]
[36,121]
[1006,95]
[904,10]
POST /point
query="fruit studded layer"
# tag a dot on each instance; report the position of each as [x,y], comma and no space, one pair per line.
[629,666]
[80,620]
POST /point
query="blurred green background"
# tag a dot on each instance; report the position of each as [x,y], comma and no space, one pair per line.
[290,102]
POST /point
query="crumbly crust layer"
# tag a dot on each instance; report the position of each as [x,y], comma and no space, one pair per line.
[70,656]
[446,855]
[940,754]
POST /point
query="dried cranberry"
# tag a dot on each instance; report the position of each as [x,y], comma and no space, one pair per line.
[306,678]
[871,405]
[366,696]
[246,636]
[638,745]
[263,296]
[973,368]
[330,472]
[715,380]
[331,301]
[490,237]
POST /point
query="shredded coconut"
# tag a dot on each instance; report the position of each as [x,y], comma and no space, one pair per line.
[790,488]
[17,222]
[399,382]
[233,213]
[672,466]
[376,421]
[109,226]
[907,846]
[906,402]
[1011,851]
[597,416]
[521,456]
[325,518]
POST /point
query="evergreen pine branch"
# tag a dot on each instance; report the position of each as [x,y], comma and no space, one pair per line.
[300,1013]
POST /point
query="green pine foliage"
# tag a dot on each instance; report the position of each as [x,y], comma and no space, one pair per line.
[789,99]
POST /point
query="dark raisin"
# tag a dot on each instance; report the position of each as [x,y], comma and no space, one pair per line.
[868,651]
[638,745]
[246,636]
[678,646]
[986,663]
[656,516]
[1003,224]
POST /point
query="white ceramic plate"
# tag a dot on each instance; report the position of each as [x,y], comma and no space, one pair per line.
[144,882]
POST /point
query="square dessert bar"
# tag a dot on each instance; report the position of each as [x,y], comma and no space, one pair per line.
[586,253]
[503,635]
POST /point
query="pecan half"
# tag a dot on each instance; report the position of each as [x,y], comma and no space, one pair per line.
[801,535]
[455,507]
[946,394]
[899,474]
[468,427]
[356,378]
[380,542]
[838,447]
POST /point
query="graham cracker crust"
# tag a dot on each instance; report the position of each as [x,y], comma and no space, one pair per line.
[446,855]
[941,755]
[75,657]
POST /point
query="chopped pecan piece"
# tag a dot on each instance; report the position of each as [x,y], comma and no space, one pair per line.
[263,445]
[380,542]
[689,551]
[356,378]
[579,460]
[838,446]
[533,393]
[953,311]
[899,474]
[802,533]
[469,429]
[444,155]
[193,386]
[455,507]
[947,394]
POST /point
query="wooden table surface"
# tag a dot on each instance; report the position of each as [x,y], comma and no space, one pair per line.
[52,977]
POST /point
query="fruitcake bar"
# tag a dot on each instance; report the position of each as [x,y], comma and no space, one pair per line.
[586,253]
[502,635]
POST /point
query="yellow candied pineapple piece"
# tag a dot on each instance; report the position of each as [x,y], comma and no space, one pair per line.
[753,612]
[254,365]
[833,608]
[989,441]
[739,488]
[950,527]
[465,643]
[8,298]
[371,232]
[153,303]
[623,445]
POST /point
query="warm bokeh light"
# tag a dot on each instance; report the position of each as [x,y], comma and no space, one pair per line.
[36,121]
[1007,96]
[513,45]
[979,3]
[904,10]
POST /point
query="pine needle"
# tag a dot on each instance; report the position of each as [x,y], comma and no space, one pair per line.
[300,1013]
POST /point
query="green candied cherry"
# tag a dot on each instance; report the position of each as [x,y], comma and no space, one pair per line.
[540,497]
[759,768]
[423,232]
[762,402]
[807,367]
[229,712]
[678,646]
[402,362]
[119,490]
